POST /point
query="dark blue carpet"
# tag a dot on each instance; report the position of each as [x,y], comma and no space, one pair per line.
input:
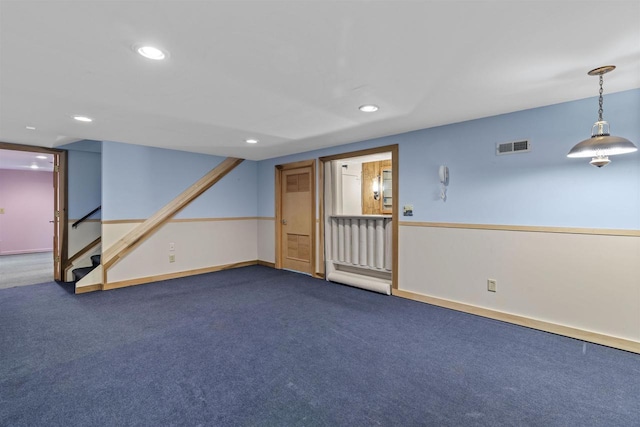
[258,346]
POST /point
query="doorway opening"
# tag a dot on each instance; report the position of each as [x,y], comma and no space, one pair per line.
[359,218]
[33,214]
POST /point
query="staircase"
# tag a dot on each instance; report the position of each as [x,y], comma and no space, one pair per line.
[79,273]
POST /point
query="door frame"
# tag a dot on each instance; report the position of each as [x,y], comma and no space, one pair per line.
[60,233]
[279,169]
[394,201]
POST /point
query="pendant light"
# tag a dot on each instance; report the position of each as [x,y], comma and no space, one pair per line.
[601,145]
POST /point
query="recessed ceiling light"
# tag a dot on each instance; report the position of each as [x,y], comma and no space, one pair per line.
[30,127]
[251,141]
[41,157]
[368,108]
[82,118]
[151,52]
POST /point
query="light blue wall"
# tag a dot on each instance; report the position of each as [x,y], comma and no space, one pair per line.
[542,187]
[138,181]
[84,183]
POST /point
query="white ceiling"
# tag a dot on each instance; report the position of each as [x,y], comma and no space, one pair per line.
[293,73]
[25,160]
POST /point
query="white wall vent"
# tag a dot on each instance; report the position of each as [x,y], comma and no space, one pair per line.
[513,147]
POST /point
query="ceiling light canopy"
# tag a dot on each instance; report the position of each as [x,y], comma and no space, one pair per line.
[151,52]
[601,144]
[368,108]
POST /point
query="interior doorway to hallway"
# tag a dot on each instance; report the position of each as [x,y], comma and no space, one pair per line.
[32,211]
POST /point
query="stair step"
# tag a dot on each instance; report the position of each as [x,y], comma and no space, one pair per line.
[95,260]
[79,273]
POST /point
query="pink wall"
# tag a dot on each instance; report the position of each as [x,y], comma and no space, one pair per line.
[27,200]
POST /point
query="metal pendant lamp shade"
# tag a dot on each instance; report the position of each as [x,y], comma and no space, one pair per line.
[601,144]
[604,144]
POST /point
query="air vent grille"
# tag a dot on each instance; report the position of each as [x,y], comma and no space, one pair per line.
[513,147]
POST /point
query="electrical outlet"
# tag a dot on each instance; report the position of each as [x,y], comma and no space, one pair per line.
[172,258]
[172,246]
[492,285]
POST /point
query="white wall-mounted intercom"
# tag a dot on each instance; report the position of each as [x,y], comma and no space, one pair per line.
[443,173]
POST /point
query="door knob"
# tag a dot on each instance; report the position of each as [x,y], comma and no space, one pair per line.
[284,222]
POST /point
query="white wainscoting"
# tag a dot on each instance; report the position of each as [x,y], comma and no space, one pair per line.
[85,233]
[266,239]
[584,281]
[199,244]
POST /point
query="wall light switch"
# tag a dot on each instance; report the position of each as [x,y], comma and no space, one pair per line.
[172,258]
[172,246]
